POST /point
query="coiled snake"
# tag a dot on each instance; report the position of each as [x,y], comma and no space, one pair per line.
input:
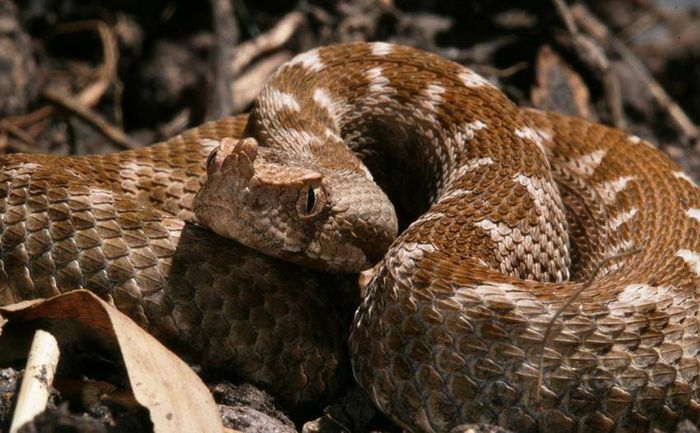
[511,212]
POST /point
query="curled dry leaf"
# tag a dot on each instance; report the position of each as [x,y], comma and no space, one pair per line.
[178,401]
[559,88]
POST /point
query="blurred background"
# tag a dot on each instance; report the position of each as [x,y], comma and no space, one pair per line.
[81,76]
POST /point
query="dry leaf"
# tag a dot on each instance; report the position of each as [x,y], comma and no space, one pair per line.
[559,88]
[176,397]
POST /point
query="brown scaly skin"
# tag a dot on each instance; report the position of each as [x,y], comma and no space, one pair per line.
[516,210]
[115,224]
[522,207]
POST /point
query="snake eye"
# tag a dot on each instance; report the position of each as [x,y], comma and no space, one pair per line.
[310,201]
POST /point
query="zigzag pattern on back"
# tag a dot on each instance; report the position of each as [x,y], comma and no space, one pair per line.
[507,213]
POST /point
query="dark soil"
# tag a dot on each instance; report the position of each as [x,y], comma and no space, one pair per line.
[147,70]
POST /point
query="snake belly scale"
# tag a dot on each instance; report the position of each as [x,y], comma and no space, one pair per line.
[506,213]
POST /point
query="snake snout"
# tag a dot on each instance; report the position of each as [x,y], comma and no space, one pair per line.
[376,241]
[373,231]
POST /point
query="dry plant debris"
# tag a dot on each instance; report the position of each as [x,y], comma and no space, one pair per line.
[89,77]
[176,398]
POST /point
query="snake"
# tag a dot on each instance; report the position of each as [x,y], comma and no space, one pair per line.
[527,269]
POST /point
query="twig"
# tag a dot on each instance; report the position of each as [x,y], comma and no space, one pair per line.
[641,24]
[30,118]
[574,296]
[509,71]
[18,132]
[226,31]
[683,124]
[88,97]
[566,16]
[268,41]
[113,134]
[177,124]
[246,87]
[26,142]
[37,380]
[107,72]
[14,125]
[593,55]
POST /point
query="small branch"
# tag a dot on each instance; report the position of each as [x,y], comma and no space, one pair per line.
[107,72]
[566,16]
[30,118]
[18,132]
[110,132]
[684,125]
[248,85]
[594,56]
[37,380]
[226,31]
[548,334]
[268,41]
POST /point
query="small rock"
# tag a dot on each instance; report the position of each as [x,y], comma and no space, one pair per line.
[249,409]
[59,420]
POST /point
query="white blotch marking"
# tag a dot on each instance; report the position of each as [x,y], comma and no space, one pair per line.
[456,194]
[331,134]
[281,100]
[682,175]
[381,48]
[693,213]
[622,247]
[311,60]
[630,293]
[208,145]
[473,164]
[434,94]
[530,134]
[636,140]
[402,260]
[128,169]
[622,218]
[474,126]
[691,258]
[429,216]
[539,189]
[608,190]
[457,139]
[642,294]
[297,139]
[323,98]
[585,165]
[378,83]
[496,231]
[507,238]
[472,79]
[543,134]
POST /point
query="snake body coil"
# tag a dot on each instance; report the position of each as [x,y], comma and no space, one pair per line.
[512,211]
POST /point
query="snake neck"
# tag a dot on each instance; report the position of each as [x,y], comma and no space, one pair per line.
[434,134]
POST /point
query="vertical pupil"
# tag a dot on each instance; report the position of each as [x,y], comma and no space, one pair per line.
[310,200]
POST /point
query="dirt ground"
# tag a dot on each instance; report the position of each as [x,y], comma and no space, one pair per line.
[81,76]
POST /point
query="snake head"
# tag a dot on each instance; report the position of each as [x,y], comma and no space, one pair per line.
[335,221]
